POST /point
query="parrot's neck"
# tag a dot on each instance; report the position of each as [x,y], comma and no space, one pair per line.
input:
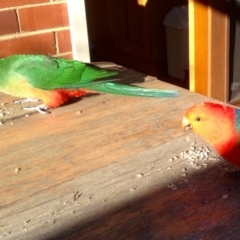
[229,150]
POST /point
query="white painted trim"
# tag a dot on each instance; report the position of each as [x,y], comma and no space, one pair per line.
[78,28]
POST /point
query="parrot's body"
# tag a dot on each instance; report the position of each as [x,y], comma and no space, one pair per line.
[56,80]
[219,125]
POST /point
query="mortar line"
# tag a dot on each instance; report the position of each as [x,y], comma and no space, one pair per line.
[32,5]
[28,34]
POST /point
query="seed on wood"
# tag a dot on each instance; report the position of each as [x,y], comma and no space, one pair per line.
[140,175]
[132,189]
[17,170]
[206,149]
[197,166]
[205,165]
[193,148]
[192,157]
[192,153]
[25,228]
[201,156]
[205,154]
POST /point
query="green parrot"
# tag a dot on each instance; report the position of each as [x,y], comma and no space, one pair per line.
[56,80]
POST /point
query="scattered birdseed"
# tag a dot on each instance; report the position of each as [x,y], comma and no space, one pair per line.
[140,175]
[197,157]
[79,111]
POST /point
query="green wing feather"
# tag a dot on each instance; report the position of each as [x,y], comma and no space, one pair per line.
[48,73]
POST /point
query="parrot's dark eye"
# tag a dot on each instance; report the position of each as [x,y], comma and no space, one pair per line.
[198,119]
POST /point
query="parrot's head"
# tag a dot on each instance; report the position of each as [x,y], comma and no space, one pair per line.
[196,117]
[213,121]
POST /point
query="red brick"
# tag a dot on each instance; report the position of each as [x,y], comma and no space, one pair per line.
[64,41]
[43,17]
[9,24]
[36,44]
[16,3]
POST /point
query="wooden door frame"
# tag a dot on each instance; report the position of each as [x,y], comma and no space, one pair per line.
[208,48]
[78,29]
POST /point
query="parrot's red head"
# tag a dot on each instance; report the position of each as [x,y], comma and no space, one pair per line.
[215,123]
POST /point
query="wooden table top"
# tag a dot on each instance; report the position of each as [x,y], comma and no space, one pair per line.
[109,167]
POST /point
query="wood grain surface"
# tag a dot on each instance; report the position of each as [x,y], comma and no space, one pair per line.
[103,167]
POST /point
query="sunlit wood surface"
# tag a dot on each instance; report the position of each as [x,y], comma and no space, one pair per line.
[99,168]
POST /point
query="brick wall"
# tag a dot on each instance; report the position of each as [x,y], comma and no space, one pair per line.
[34,27]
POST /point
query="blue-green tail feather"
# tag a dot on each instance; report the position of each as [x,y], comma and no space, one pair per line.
[126,90]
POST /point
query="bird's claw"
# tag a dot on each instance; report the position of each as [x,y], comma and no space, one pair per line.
[41,109]
[235,174]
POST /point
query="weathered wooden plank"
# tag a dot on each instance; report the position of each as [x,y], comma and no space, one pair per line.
[106,174]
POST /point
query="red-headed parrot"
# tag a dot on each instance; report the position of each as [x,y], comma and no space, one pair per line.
[56,80]
[219,125]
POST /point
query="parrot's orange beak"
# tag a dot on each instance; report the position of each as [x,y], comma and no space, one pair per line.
[186,124]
